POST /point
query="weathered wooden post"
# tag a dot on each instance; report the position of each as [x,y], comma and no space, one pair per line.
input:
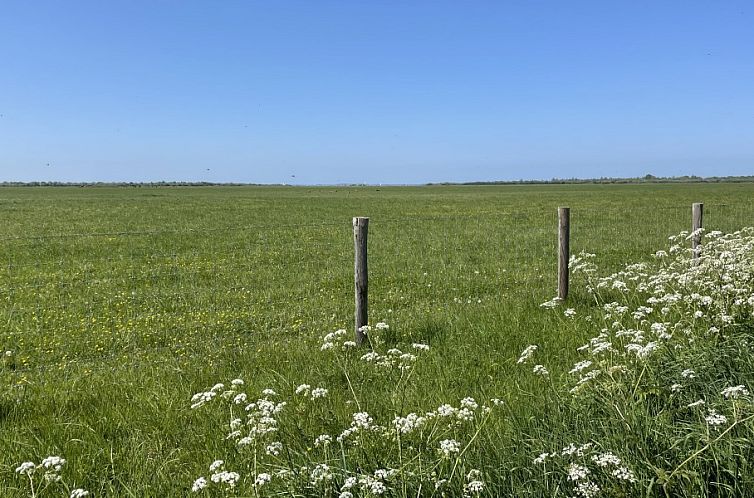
[564,234]
[360,275]
[697,211]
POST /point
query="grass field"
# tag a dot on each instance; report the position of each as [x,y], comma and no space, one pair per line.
[118,304]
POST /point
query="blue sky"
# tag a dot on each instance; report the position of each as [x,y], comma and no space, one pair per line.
[376,92]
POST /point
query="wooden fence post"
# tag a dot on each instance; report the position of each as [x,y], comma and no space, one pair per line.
[564,235]
[360,275]
[697,210]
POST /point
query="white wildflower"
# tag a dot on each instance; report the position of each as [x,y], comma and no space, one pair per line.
[605,459]
[27,468]
[469,403]
[449,447]
[625,474]
[320,474]
[349,483]
[225,477]
[322,440]
[274,448]
[527,353]
[735,392]
[541,370]
[53,463]
[577,472]
[474,487]
[714,419]
[262,479]
[587,489]
[578,367]
[199,485]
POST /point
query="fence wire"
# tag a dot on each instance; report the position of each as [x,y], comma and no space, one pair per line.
[414,261]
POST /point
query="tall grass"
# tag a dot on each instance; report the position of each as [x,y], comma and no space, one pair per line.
[119,332]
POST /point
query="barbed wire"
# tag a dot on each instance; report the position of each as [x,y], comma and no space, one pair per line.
[173,257]
[239,228]
[144,277]
[189,295]
[489,216]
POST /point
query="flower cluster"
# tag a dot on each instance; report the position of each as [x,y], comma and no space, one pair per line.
[442,434]
[50,470]
[219,477]
[588,470]
[668,305]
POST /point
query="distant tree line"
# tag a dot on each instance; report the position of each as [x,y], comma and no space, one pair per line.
[611,180]
[126,184]
[553,181]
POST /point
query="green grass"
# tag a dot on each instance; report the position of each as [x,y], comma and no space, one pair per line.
[120,303]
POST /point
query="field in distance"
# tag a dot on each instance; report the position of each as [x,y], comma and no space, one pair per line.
[118,304]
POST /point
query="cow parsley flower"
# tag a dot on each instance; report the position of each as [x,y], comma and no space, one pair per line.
[469,403]
[322,440]
[474,487]
[605,459]
[578,367]
[735,392]
[199,485]
[321,473]
[224,477]
[714,419]
[274,448]
[577,472]
[449,447]
[53,463]
[541,370]
[527,353]
[26,468]
[625,474]
[587,489]
[262,479]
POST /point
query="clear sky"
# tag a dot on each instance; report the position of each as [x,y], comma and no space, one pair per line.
[377,92]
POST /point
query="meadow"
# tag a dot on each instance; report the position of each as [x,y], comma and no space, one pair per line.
[118,305]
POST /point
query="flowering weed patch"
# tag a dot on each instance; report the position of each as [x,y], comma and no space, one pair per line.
[289,444]
[667,375]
